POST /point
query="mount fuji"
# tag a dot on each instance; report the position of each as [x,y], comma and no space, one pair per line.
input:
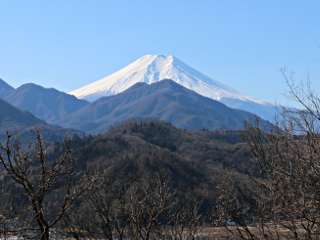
[153,68]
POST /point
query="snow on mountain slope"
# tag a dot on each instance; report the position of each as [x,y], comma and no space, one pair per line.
[152,68]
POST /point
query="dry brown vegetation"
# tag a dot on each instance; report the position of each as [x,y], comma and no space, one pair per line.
[280,195]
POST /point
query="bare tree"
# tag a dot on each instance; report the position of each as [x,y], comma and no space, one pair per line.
[138,205]
[48,187]
[280,196]
[149,201]
[7,214]
[185,215]
[103,212]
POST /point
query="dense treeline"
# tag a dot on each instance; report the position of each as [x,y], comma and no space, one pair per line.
[147,177]
[141,138]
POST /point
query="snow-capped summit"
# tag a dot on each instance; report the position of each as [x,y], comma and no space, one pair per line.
[152,68]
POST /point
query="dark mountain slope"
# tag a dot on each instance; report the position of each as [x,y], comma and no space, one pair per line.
[48,104]
[194,157]
[5,89]
[164,100]
[10,114]
[22,122]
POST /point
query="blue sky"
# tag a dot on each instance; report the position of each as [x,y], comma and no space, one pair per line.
[242,43]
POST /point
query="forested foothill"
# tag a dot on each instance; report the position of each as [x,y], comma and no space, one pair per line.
[143,179]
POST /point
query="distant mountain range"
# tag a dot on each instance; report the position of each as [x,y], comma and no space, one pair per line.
[5,89]
[185,97]
[48,104]
[153,68]
[165,100]
[23,122]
